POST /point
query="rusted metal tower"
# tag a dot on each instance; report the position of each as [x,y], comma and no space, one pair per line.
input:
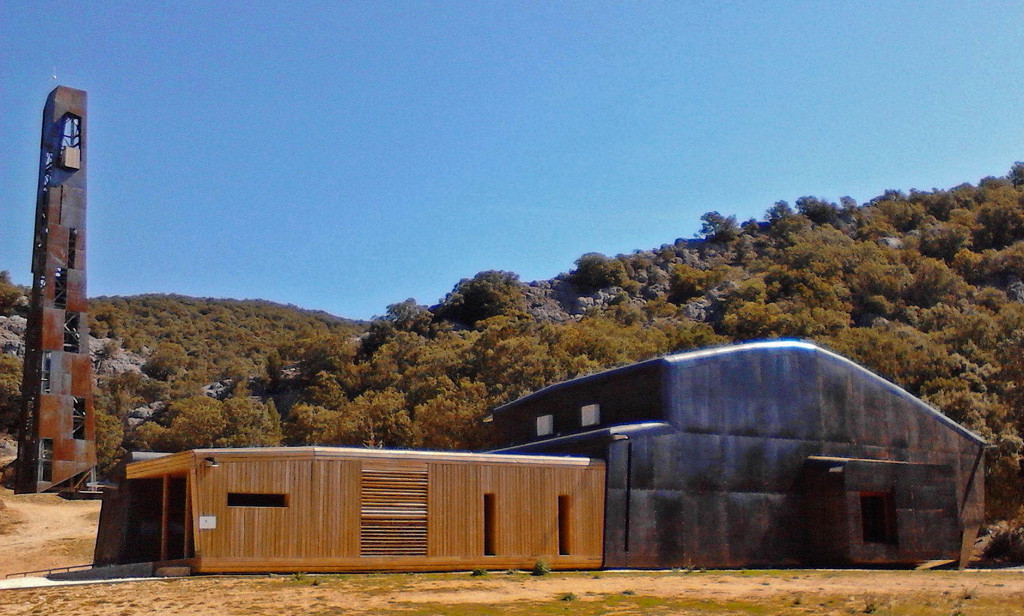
[57,441]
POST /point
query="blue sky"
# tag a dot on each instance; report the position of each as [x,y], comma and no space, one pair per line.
[345,156]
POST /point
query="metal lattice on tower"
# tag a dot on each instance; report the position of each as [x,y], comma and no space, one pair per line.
[57,439]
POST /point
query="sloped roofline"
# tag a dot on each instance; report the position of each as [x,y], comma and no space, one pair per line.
[744,347]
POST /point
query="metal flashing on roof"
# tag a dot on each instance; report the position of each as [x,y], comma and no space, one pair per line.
[650,428]
[193,456]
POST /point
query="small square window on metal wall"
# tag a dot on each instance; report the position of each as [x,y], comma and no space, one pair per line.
[590,415]
[545,425]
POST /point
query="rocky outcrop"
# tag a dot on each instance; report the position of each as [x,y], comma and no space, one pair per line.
[108,356]
[12,335]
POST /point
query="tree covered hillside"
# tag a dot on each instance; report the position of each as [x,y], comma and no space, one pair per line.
[924,288]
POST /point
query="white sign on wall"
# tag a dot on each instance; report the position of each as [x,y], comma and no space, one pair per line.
[207,522]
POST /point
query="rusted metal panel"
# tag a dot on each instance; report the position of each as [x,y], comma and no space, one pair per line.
[81,373]
[52,330]
[58,370]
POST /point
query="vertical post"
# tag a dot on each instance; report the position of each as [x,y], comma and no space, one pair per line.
[192,521]
[165,515]
[187,551]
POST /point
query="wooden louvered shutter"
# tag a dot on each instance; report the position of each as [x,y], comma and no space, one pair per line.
[393,514]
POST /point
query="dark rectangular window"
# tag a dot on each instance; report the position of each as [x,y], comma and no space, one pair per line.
[245,499]
[490,514]
[78,419]
[72,247]
[564,525]
[878,518]
[72,336]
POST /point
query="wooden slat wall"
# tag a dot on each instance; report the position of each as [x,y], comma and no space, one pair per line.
[393,514]
[257,532]
[336,495]
[336,507]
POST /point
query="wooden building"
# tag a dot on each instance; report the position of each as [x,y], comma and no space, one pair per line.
[341,509]
[773,453]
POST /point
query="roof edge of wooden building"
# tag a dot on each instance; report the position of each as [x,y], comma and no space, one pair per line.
[186,460]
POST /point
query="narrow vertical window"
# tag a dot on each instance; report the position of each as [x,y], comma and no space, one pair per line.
[72,335]
[45,370]
[490,513]
[545,425]
[78,419]
[564,525]
[590,415]
[60,287]
[71,143]
[72,248]
[45,460]
[71,135]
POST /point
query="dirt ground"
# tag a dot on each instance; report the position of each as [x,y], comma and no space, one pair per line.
[43,531]
[948,593]
[40,531]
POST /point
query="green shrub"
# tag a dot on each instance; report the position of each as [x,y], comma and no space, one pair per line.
[542,567]
[595,271]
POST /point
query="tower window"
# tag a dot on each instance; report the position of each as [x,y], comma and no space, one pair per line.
[45,370]
[60,287]
[545,425]
[45,460]
[71,142]
[78,419]
[72,247]
[590,415]
[72,335]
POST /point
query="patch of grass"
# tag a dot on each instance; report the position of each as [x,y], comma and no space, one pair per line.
[542,567]
[478,572]
[569,596]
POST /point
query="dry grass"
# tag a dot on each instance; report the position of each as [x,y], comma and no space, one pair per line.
[832,593]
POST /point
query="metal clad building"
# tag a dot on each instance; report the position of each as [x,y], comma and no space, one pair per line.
[770,453]
[56,447]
